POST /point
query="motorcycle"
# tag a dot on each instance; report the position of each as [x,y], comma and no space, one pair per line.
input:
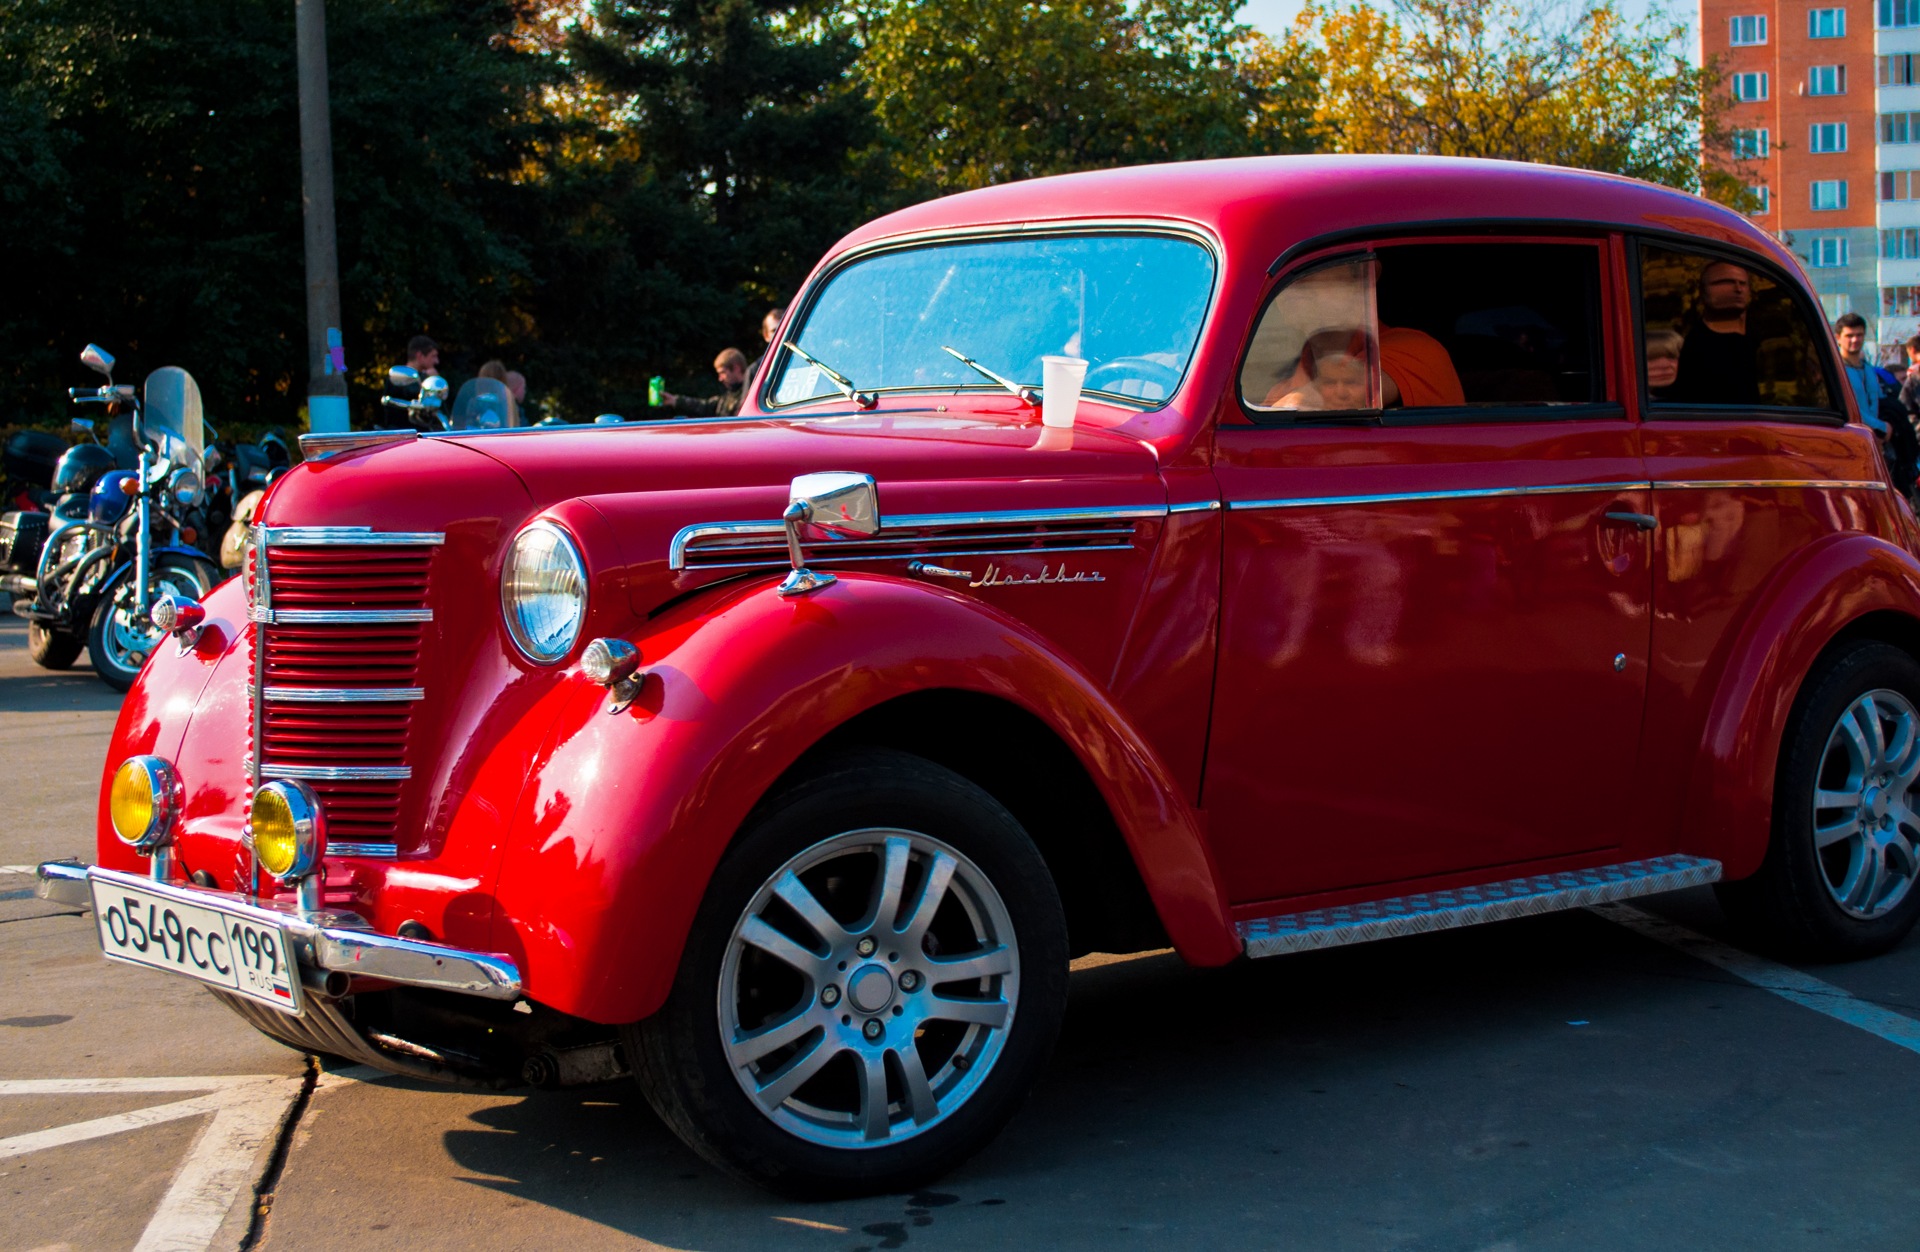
[97,578]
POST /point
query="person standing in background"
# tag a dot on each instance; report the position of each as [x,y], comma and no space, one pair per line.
[769,327]
[730,367]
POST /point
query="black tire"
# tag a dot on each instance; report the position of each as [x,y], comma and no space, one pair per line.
[680,1058]
[53,649]
[112,659]
[1789,907]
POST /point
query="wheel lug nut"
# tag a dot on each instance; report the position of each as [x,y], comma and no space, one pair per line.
[909,981]
[830,995]
[873,1029]
[866,946]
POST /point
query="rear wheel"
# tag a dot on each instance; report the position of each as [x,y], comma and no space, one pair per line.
[52,649]
[1838,879]
[873,982]
[122,637]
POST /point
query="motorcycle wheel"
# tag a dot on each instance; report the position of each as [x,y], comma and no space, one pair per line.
[53,649]
[121,639]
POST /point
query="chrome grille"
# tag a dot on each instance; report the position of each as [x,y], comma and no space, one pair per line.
[339,617]
[739,545]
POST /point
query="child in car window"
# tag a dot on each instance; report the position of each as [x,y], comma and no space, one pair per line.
[1332,374]
[1663,359]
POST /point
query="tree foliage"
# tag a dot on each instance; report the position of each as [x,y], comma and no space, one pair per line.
[1578,87]
[973,92]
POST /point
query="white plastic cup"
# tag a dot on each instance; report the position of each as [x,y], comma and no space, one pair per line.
[1060,379]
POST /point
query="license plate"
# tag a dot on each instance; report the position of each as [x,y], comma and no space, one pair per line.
[206,941]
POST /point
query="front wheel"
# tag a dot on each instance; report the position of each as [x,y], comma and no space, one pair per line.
[1838,879]
[873,982]
[121,636]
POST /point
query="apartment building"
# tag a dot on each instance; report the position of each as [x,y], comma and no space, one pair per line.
[1827,116]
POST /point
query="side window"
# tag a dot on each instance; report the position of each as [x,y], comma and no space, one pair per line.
[1721,333]
[1455,326]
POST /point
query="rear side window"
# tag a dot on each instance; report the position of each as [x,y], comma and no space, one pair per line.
[1719,333]
[1458,329]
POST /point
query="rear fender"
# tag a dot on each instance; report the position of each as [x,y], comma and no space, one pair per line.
[1833,584]
[625,816]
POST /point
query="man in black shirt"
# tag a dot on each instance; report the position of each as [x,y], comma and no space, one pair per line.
[730,367]
[1720,360]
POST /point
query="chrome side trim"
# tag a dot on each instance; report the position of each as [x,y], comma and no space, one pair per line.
[338,773]
[342,695]
[320,447]
[369,851]
[1469,906]
[328,941]
[677,549]
[337,617]
[347,536]
[1198,506]
[1469,493]
[1774,484]
[827,556]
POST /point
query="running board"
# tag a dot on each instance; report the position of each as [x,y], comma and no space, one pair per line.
[1469,906]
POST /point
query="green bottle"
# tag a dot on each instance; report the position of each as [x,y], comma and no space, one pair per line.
[656,391]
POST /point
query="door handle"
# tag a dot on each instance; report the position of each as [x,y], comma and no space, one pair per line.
[1639,521]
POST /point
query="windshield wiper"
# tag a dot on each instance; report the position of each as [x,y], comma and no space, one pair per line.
[845,384]
[1026,395]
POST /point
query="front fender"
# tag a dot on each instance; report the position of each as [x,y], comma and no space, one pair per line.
[625,816]
[1729,809]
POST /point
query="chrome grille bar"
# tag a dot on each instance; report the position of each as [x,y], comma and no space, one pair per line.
[348,537]
[338,773]
[338,617]
[343,695]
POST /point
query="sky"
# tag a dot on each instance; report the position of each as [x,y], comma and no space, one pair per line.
[1275,16]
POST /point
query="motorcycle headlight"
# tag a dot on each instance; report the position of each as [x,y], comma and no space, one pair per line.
[543,592]
[184,487]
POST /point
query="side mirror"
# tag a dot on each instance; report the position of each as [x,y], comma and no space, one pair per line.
[97,359]
[83,423]
[836,502]
[433,391]
[403,376]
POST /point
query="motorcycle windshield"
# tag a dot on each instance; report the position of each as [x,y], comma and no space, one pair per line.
[484,404]
[172,416]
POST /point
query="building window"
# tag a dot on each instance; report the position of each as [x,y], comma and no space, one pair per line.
[1901,245]
[1900,128]
[1827,80]
[1831,193]
[1835,303]
[1894,185]
[1750,86]
[1765,201]
[1748,31]
[1895,71]
[1751,145]
[1899,13]
[1827,24]
[1828,137]
[1899,301]
[1827,252]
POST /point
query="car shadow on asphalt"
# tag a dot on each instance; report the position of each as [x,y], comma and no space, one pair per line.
[1433,1091]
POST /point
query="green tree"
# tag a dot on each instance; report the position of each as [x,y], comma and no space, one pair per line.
[974,92]
[1565,87]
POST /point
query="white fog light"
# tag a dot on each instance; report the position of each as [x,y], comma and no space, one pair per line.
[543,592]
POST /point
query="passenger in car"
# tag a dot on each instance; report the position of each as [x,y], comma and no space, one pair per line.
[1415,370]
[1332,374]
[1720,360]
[1663,360]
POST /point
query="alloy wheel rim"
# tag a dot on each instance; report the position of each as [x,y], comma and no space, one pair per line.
[128,641]
[868,988]
[1866,832]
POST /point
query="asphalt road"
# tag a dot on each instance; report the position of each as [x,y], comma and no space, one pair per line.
[1560,1082]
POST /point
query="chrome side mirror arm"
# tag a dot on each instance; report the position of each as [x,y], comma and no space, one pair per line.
[838,502]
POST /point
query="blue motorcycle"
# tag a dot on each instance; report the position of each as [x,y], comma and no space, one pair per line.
[98,576]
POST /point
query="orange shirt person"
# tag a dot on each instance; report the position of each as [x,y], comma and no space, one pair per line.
[1416,371]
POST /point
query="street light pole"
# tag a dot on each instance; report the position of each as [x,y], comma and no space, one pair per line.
[326,361]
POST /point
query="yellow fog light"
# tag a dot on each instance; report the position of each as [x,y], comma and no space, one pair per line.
[143,801]
[289,831]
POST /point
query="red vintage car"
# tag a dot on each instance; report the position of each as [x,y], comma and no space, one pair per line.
[1433,542]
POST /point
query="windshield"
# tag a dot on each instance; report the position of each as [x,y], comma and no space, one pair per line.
[1131,305]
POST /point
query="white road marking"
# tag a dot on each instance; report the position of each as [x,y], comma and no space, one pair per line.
[247,1111]
[1782,980]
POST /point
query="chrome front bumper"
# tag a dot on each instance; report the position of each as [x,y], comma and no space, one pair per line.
[325,943]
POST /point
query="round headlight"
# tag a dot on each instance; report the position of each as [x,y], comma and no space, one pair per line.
[543,592]
[142,802]
[184,486]
[289,831]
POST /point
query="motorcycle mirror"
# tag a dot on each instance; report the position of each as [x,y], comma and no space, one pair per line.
[433,390]
[97,359]
[403,376]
